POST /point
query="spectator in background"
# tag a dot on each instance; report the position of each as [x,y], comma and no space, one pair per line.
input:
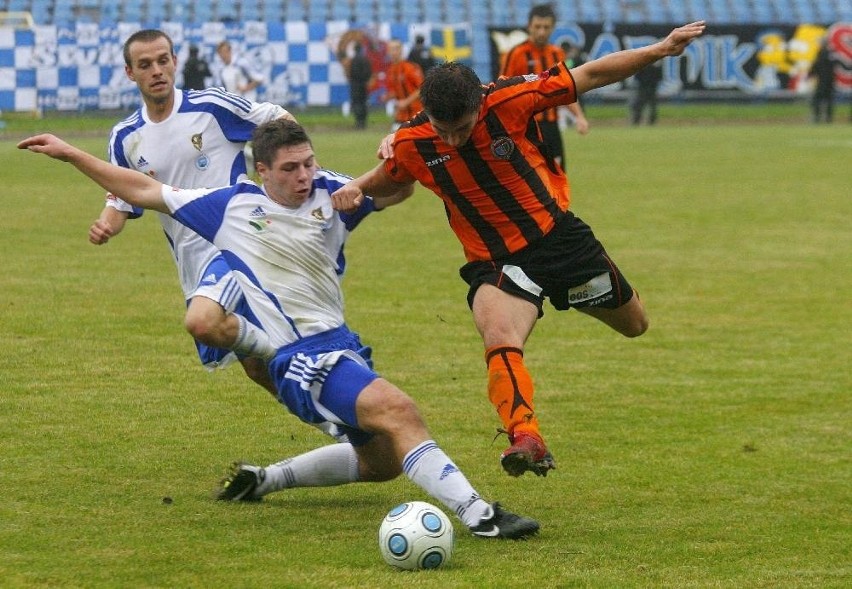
[535,55]
[195,71]
[822,70]
[236,75]
[360,73]
[421,54]
[573,58]
[403,79]
[647,81]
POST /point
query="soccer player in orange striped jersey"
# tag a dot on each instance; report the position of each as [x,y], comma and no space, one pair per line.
[404,79]
[478,149]
[537,54]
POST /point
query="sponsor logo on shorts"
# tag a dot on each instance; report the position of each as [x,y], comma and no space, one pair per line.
[519,277]
[595,288]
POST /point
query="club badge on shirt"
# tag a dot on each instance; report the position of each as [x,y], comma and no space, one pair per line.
[503,148]
[202,162]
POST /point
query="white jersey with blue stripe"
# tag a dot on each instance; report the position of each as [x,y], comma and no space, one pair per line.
[288,261]
[199,145]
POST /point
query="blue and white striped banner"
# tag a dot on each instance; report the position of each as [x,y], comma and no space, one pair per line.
[80,66]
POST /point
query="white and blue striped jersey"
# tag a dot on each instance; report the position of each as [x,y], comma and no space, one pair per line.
[288,261]
[200,145]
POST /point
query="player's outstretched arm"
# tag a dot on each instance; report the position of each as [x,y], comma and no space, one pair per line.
[383,202]
[377,184]
[623,64]
[129,185]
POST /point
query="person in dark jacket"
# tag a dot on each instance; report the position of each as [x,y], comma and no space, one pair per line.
[421,54]
[195,71]
[647,81]
[360,73]
[822,70]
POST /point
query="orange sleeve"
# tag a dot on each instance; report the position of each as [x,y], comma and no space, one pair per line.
[414,74]
[396,172]
[514,63]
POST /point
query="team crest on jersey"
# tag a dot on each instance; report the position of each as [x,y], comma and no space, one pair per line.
[503,148]
[202,162]
[317,214]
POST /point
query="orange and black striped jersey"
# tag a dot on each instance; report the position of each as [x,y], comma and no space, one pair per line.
[404,78]
[529,58]
[500,192]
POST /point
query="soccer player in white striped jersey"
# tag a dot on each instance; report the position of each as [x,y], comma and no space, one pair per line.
[191,139]
[282,241]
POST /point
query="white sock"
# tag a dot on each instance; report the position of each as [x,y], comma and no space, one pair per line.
[326,466]
[252,341]
[433,471]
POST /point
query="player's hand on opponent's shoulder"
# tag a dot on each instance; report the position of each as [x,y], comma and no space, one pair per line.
[385,151]
[679,38]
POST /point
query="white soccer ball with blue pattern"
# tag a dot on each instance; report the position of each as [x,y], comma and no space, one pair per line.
[416,535]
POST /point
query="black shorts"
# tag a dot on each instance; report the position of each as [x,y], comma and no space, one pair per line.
[569,266]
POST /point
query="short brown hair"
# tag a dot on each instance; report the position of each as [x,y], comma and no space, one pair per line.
[541,11]
[145,36]
[450,91]
[269,137]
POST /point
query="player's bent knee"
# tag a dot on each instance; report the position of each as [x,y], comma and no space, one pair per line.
[637,327]
[198,326]
[384,408]
[403,410]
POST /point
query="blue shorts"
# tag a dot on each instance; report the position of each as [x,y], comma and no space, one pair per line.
[319,378]
[218,284]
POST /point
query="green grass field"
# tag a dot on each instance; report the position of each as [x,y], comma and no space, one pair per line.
[714,451]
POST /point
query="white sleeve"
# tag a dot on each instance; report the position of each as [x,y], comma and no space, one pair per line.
[251,73]
[118,204]
[175,198]
[263,112]
[112,200]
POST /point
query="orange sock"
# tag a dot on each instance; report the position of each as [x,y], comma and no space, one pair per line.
[510,389]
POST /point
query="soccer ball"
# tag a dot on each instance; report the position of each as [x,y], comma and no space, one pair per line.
[416,535]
